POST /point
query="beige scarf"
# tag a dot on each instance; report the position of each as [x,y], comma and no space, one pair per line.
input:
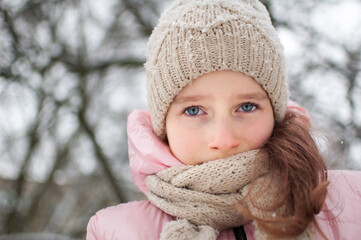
[204,197]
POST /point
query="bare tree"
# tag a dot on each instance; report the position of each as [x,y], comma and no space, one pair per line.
[330,62]
[61,63]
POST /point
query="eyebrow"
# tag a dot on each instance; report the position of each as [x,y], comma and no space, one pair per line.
[191,98]
[255,96]
[194,98]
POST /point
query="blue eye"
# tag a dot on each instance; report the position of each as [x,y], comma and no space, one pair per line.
[247,107]
[193,111]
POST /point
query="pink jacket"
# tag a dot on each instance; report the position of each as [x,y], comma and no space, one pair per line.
[340,217]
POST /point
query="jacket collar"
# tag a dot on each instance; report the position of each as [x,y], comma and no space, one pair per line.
[148,154]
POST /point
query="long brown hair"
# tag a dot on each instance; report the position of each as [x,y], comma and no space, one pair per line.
[294,156]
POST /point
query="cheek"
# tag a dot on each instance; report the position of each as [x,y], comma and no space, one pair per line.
[183,143]
[259,134]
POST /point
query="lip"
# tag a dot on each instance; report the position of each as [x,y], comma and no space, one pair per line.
[222,156]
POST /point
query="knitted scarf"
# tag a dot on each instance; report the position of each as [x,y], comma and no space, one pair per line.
[204,197]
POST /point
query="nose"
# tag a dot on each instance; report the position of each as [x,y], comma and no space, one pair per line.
[224,137]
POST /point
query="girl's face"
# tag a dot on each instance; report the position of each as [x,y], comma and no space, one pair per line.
[220,114]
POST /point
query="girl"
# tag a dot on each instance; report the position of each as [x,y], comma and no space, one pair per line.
[220,155]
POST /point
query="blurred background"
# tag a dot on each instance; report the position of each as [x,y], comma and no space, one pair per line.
[72,70]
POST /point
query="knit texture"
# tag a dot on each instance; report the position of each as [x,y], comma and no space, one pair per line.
[204,197]
[195,37]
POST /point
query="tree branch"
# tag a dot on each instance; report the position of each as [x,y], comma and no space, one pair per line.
[102,158]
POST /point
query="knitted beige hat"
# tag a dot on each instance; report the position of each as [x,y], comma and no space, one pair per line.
[194,37]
